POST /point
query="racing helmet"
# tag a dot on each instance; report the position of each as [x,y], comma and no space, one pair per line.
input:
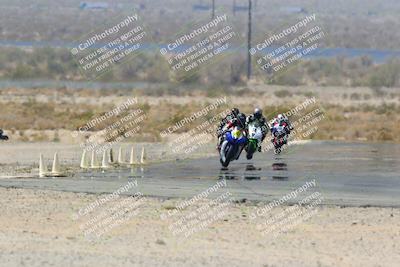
[258,113]
[241,120]
[235,111]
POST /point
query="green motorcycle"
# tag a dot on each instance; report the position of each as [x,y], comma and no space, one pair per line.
[254,139]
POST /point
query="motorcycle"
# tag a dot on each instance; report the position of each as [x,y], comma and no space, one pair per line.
[3,137]
[280,137]
[232,146]
[254,139]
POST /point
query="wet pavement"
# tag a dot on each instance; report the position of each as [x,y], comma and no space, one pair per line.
[348,174]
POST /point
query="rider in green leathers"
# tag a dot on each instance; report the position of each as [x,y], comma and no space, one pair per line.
[258,118]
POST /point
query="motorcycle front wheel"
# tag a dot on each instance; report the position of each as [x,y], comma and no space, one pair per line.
[230,152]
[251,148]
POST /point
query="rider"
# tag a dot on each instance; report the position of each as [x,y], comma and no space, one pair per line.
[258,117]
[224,122]
[238,121]
[232,115]
[281,121]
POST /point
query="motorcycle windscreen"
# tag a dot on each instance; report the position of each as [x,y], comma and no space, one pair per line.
[236,137]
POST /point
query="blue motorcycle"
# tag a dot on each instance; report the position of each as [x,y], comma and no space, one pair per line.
[232,146]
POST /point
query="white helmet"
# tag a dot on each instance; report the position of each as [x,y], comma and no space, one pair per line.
[280,117]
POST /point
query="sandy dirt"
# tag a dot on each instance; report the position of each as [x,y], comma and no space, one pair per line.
[42,228]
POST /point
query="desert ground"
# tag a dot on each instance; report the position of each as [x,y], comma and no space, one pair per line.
[37,229]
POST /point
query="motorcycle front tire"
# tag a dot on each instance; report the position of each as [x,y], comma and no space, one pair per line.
[230,152]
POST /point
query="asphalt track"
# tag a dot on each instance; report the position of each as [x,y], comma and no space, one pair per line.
[346,174]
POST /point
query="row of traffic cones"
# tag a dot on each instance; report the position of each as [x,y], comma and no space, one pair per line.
[108,159]
[107,162]
[55,170]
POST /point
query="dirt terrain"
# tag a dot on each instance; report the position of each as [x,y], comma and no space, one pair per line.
[37,229]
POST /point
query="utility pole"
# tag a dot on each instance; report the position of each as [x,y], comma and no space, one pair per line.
[213,9]
[249,44]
